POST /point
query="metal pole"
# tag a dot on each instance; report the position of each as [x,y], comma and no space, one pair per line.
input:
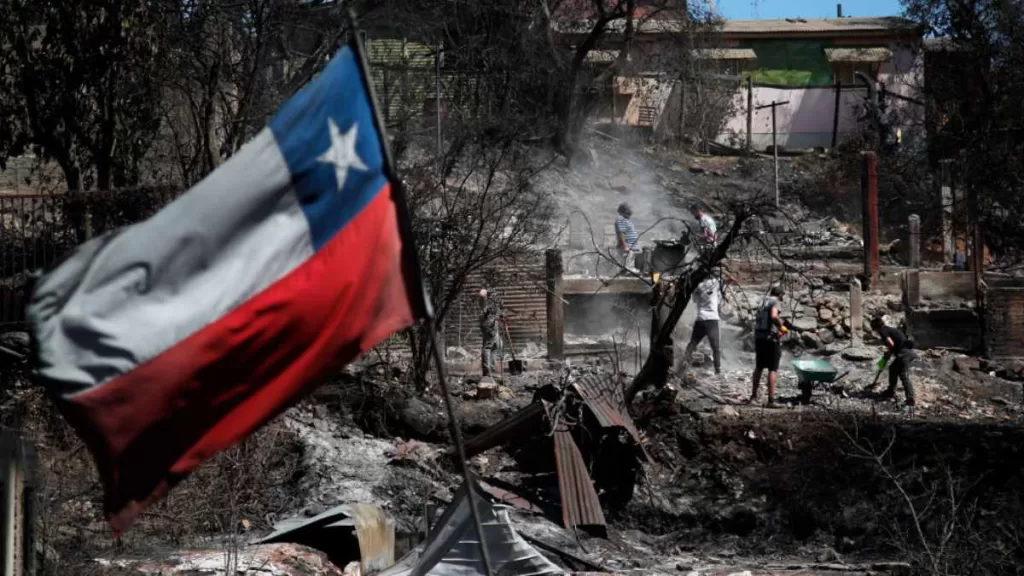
[460,448]
[775,154]
[869,186]
[419,292]
[750,113]
[835,115]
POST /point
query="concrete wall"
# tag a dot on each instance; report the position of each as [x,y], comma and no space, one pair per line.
[1004,322]
[807,120]
[605,314]
[937,286]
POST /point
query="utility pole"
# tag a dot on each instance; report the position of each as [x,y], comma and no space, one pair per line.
[750,113]
[775,145]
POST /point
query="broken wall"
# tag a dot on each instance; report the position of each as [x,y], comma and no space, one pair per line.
[605,313]
[936,286]
[958,328]
[1004,322]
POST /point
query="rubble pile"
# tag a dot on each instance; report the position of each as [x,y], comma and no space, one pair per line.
[818,319]
[828,232]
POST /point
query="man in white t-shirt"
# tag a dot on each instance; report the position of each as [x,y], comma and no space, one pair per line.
[708,297]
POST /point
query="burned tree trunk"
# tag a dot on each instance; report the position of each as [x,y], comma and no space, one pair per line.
[683,290]
[661,354]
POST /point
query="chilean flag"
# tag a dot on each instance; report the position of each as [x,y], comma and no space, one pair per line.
[175,338]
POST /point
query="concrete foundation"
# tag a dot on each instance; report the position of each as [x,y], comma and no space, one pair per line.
[957,328]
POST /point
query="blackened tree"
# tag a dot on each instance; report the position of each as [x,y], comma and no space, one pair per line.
[80,86]
[973,89]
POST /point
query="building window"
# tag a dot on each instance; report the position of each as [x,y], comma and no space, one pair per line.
[733,67]
[845,71]
[730,61]
[847,61]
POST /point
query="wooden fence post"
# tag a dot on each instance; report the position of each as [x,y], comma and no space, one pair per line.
[856,314]
[914,238]
[869,189]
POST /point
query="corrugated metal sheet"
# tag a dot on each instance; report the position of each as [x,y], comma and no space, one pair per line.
[509,498]
[605,397]
[580,505]
[511,427]
[877,54]
[520,288]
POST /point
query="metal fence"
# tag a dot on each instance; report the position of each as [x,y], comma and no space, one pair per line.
[37,230]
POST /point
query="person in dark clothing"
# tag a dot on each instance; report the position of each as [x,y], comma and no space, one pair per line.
[768,331]
[899,355]
[491,316]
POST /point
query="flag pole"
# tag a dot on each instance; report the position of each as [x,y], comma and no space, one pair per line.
[411,261]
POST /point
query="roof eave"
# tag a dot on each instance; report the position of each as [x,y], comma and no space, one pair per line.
[895,34]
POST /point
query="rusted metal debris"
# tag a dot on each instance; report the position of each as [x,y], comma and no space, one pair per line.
[515,426]
[556,412]
[605,398]
[580,506]
[509,498]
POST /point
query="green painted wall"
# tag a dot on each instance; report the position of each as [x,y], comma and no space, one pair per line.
[792,63]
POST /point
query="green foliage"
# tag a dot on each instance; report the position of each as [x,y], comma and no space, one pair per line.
[79,85]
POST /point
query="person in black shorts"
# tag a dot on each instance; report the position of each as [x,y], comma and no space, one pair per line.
[767,347]
[899,355]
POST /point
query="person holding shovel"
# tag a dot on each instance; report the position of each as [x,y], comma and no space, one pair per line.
[490,316]
[899,354]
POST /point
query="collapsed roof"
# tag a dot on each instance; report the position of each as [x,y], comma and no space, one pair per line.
[452,548]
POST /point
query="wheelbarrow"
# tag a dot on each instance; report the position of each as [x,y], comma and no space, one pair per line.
[810,373]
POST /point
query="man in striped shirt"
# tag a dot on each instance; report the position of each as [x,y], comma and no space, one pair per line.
[708,235]
[625,234]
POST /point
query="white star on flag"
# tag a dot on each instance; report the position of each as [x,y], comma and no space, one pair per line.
[342,152]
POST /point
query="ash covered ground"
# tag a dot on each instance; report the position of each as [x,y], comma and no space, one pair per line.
[841,484]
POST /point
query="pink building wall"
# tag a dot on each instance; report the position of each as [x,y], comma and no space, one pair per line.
[807,120]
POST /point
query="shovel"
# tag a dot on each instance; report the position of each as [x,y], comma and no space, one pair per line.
[874,383]
[515,367]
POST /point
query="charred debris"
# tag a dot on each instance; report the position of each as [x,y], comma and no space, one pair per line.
[580,429]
